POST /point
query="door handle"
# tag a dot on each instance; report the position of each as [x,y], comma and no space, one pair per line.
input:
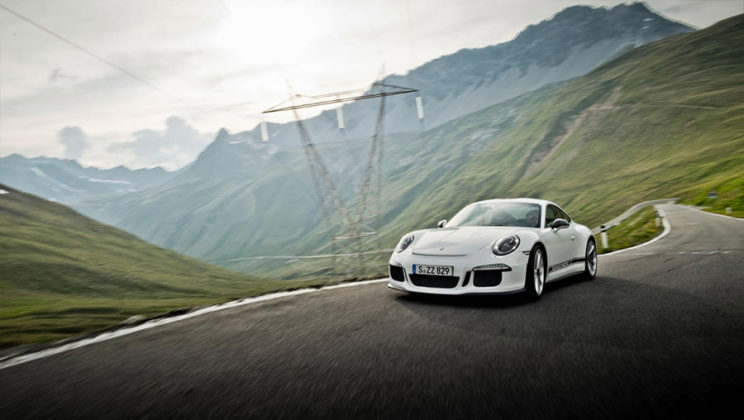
[573,238]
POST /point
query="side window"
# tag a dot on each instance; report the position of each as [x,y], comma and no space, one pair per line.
[565,216]
[550,214]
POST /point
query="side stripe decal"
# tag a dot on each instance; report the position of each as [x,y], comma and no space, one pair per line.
[563,264]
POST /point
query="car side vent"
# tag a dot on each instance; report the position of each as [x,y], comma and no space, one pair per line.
[467,279]
[396,273]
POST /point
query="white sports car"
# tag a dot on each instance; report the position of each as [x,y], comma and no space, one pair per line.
[493,247]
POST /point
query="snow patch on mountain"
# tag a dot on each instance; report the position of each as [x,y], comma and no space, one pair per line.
[110,181]
[42,174]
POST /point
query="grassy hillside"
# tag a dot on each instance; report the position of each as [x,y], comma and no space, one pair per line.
[663,120]
[729,194]
[64,274]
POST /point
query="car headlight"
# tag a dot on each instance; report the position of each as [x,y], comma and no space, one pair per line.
[506,245]
[404,243]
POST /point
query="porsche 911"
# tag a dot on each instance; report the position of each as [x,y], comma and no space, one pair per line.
[496,246]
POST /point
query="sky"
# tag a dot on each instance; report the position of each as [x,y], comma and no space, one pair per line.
[150,82]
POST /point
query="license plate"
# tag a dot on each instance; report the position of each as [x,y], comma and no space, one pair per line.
[433,270]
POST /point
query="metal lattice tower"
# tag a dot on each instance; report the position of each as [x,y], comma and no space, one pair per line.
[330,200]
[328,196]
[377,141]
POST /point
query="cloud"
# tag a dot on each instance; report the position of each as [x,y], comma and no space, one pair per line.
[74,141]
[176,145]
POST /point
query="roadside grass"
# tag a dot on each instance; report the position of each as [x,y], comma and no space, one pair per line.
[63,274]
[734,213]
[729,194]
[33,318]
[635,230]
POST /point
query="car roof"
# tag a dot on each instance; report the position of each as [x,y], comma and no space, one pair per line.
[517,200]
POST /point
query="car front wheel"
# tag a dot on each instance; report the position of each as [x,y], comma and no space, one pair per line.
[536,273]
[591,261]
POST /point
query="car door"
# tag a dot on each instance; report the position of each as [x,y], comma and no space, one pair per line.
[575,250]
[559,242]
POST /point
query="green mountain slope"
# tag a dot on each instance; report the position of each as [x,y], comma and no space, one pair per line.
[666,119]
[63,274]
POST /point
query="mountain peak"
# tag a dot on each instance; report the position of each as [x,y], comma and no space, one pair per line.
[572,12]
[551,41]
[637,6]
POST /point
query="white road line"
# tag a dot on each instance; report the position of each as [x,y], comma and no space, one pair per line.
[711,252]
[24,358]
[667,229]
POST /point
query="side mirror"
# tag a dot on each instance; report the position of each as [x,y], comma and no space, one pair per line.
[442,223]
[559,224]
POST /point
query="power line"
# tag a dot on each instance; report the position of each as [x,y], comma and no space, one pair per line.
[102,59]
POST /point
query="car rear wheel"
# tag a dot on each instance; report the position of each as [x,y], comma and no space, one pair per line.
[536,273]
[591,261]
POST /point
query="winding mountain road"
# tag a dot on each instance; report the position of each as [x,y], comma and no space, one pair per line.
[659,333]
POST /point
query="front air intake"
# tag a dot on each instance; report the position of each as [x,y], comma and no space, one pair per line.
[486,278]
[396,273]
[441,282]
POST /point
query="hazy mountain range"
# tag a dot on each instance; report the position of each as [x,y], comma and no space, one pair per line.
[66,181]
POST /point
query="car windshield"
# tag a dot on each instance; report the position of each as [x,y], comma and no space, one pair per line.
[498,214]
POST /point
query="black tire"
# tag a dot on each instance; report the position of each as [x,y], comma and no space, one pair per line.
[532,287]
[591,260]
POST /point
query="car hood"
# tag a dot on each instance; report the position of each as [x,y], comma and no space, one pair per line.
[458,240]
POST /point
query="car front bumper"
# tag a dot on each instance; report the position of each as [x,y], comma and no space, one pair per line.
[473,276]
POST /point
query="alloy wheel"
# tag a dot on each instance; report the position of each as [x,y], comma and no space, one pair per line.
[591,259]
[538,273]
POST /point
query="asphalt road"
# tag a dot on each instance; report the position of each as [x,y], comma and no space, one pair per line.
[659,333]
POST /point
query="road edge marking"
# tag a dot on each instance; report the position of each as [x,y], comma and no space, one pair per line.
[667,229]
[41,354]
